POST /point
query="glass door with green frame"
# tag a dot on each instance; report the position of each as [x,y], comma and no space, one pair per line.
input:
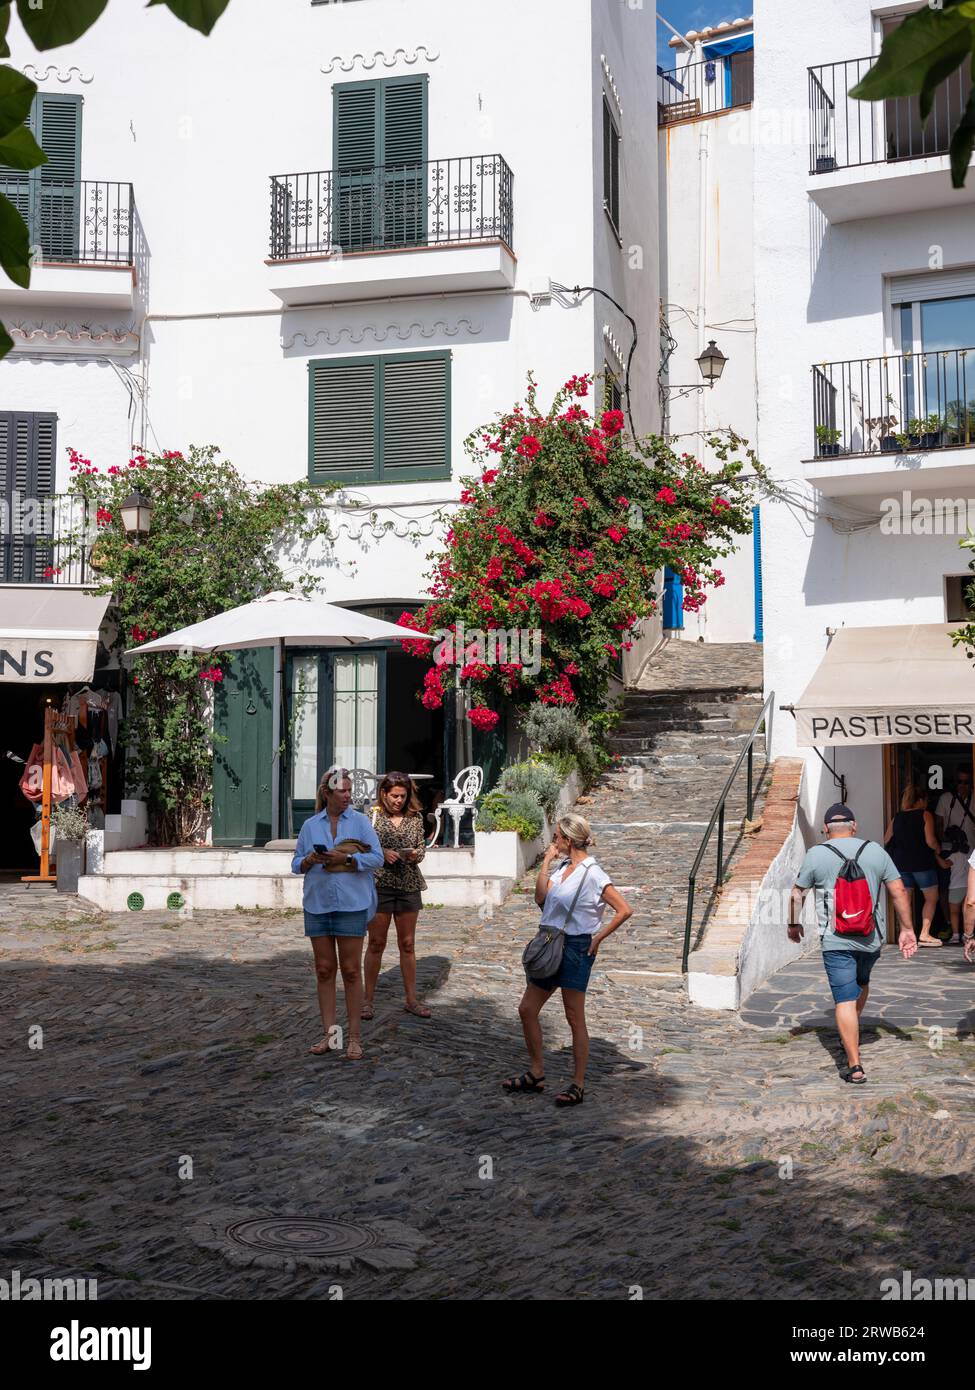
[337,717]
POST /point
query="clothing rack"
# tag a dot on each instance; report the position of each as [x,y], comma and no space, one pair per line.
[102,799]
[54,725]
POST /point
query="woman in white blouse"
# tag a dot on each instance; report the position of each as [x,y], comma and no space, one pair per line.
[573,896]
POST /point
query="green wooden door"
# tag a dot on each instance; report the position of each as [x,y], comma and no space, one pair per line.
[380,142]
[244,765]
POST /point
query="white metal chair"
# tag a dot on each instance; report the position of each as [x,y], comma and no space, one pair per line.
[467,788]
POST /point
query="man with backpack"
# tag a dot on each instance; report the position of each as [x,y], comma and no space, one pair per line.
[849,874]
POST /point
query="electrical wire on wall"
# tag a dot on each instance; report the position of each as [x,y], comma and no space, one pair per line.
[581,294]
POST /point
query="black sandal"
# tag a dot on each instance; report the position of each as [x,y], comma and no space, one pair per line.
[847,1075]
[525,1082]
[572,1095]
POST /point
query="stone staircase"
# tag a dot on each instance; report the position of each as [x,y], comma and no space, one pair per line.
[681,733]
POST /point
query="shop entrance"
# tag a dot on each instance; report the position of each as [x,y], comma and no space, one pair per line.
[933,767]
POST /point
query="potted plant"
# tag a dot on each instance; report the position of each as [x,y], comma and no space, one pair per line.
[71,828]
[960,423]
[932,432]
[828,439]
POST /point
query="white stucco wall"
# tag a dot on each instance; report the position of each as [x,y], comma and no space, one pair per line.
[199,125]
[821,297]
[723,144]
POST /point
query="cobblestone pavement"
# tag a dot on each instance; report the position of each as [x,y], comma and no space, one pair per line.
[711,1159]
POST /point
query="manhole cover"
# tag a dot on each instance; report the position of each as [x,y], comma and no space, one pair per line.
[136,902]
[295,1235]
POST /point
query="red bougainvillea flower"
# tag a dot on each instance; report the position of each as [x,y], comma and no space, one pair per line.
[214,675]
[719,505]
[622,501]
[616,533]
[488,478]
[557,692]
[529,447]
[483,719]
[467,497]
[475,671]
[667,495]
[578,385]
[103,517]
[572,669]
[433,690]
[50,572]
[580,504]
[543,519]
[717,579]
[613,421]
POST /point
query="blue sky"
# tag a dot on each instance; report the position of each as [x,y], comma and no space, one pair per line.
[692,14]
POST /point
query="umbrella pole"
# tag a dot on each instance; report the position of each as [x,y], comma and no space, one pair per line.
[277,735]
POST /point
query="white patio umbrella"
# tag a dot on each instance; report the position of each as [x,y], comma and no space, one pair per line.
[277,620]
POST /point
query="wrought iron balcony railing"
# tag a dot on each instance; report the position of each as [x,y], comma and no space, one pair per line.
[845,133]
[74,221]
[392,207]
[703,89]
[906,403]
[45,541]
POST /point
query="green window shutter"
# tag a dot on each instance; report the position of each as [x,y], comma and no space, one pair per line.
[416,417]
[28,460]
[611,166]
[404,106]
[357,126]
[49,197]
[343,423]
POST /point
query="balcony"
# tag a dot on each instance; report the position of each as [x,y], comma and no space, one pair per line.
[705,89]
[82,234]
[877,158]
[47,542]
[445,224]
[909,417]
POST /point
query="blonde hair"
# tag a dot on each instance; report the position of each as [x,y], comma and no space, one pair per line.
[911,796]
[576,830]
[331,782]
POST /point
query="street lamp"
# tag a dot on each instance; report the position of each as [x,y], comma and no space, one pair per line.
[136,515]
[712,363]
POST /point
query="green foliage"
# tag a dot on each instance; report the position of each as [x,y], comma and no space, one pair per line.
[70,824]
[16,94]
[559,734]
[535,779]
[562,533]
[917,57]
[518,811]
[199,14]
[55,22]
[14,245]
[214,543]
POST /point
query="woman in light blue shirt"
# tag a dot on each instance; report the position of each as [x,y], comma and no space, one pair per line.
[339,898]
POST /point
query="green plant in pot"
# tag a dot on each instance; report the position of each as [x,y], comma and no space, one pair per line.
[890,442]
[932,431]
[828,439]
[70,825]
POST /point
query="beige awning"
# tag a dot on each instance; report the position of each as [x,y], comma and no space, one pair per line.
[890,685]
[48,635]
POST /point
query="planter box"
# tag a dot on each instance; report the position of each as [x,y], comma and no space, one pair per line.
[890,444]
[829,450]
[70,864]
[933,440]
[825,164]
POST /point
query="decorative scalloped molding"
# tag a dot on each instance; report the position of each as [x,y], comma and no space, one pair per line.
[347,64]
[62,75]
[70,341]
[612,342]
[608,74]
[377,531]
[402,332]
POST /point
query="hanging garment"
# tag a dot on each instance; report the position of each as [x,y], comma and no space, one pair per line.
[79,782]
[108,701]
[62,775]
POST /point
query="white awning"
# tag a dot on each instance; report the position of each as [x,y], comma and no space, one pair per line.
[48,635]
[889,685]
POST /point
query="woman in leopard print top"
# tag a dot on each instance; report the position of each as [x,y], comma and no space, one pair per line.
[398,821]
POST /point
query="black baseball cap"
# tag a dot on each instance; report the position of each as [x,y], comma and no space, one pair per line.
[838,813]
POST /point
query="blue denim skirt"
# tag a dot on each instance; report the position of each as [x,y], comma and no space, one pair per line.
[335,923]
[576,966]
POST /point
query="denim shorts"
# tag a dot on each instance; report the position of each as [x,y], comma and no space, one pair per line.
[576,966]
[335,923]
[920,878]
[848,972]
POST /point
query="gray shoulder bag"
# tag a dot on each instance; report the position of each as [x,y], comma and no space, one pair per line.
[542,957]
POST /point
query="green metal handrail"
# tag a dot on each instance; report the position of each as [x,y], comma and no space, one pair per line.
[717,817]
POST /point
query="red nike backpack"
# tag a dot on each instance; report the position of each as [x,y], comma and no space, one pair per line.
[852,903]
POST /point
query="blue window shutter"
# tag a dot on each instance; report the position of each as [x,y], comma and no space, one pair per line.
[757,545]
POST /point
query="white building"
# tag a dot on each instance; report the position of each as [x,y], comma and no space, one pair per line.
[865,303]
[192,288]
[707,277]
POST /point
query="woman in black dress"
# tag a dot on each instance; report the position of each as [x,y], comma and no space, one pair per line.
[398,822]
[912,842]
